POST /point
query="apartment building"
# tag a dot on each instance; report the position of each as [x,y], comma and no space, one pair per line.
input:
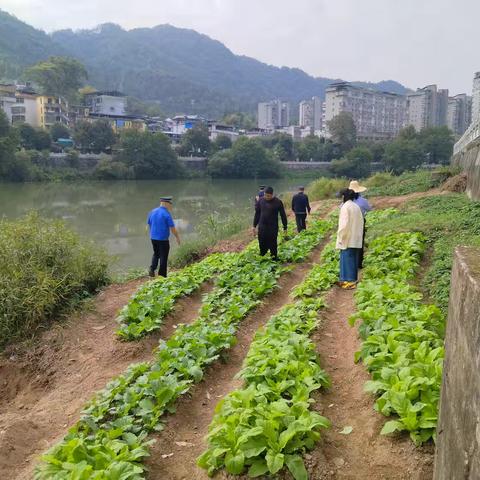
[459,113]
[377,115]
[311,113]
[273,114]
[25,109]
[106,103]
[476,98]
[427,107]
[51,110]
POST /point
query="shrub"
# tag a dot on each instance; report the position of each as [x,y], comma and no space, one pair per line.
[325,188]
[44,269]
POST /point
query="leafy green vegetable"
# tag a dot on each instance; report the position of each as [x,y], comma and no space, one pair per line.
[402,337]
[268,424]
[110,438]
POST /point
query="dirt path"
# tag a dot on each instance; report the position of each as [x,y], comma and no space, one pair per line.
[364,453]
[194,413]
[43,390]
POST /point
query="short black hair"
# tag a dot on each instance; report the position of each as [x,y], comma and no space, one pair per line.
[347,194]
[269,190]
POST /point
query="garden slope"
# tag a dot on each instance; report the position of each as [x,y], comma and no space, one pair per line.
[44,388]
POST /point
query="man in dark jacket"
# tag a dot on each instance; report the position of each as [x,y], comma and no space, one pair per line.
[267,210]
[300,207]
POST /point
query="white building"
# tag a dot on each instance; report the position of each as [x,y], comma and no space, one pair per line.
[427,107]
[106,103]
[273,114]
[459,114]
[26,108]
[476,98]
[7,100]
[377,115]
[217,129]
[310,113]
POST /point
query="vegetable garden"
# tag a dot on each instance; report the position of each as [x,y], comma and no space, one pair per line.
[269,424]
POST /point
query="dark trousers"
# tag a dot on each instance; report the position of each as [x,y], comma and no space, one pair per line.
[161,248]
[361,252]
[301,218]
[267,240]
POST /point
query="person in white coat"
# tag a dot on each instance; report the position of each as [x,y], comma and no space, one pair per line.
[349,239]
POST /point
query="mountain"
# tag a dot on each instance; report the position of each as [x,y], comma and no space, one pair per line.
[22,45]
[181,69]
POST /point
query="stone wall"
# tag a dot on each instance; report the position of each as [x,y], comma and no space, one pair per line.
[458,432]
[469,160]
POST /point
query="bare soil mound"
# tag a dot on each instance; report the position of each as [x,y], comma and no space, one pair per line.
[457,184]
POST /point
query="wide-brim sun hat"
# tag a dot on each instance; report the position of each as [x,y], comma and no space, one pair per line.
[356,187]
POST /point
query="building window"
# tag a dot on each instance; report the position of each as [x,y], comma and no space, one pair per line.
[20,100]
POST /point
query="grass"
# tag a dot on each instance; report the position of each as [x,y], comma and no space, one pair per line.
[211,230]
[447,220]
[45,269]
[386,184]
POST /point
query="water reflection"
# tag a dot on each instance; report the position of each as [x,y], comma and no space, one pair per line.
[114,213]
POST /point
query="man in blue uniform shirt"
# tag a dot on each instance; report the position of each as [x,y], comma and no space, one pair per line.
[161,224]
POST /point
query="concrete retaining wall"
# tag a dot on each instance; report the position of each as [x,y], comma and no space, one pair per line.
[458,433]
[469,160]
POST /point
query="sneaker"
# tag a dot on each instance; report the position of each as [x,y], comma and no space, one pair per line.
[349,285]
[151,273]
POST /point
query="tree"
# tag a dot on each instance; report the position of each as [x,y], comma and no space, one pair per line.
[61,76]
[196,141]
[59,130]
[33,138]
[343,131]
[138,107]
[401,155]
[240,120]
[222,142]
[283,149]
[95,136]
[355,164]
[149,155]
[437,144]
[246,159]
[9,140]
[408,133]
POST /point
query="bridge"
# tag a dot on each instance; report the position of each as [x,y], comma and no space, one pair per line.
[466,154]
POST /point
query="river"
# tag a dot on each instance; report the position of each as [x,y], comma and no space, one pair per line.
[113,214]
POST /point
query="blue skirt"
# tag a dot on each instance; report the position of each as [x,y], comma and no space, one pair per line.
[349,265]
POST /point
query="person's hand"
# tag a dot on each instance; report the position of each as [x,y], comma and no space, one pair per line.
[254,231]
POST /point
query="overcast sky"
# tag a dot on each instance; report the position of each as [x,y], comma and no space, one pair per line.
[416,42]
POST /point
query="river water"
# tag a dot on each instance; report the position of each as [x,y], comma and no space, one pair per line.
[114,213]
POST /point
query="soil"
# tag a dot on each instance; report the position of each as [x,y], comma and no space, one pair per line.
[44,388]
[458,184]
[184,431]
[364,453]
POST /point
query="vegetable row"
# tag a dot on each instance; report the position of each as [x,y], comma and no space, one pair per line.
[109,441]
[149,306]
[268,424]
[402,337]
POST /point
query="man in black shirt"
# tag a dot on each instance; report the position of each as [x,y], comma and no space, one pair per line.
[267,210]
[300,207]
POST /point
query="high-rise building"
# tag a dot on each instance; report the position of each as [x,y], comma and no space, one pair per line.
[273,114]
[459,114]
[305,113]
[377,115]
[310,113]
[427,107]
[476,98]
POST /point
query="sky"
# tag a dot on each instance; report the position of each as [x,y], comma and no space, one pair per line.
[416,42]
